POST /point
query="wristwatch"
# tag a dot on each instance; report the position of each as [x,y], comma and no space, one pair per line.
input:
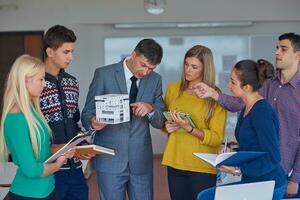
[237,171]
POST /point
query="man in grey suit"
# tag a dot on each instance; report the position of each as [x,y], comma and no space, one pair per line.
[131,169]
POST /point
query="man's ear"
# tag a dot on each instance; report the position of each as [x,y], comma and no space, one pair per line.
[133,55]
[49,52]
[298,55]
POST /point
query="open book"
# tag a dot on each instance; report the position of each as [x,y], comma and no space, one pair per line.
[183,115]
[229,159]
[71,144]
[92,149]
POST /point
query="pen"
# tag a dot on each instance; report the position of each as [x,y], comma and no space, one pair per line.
[225,145]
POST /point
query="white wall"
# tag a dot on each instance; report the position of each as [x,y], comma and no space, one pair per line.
[92,22]
[34,14]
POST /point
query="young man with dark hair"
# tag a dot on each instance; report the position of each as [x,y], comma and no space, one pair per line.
[59,104]
[131,169]
[282,92]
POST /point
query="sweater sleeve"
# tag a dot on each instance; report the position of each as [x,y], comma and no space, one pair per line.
[19,144]
[267,133]
[77,113]
[214,134]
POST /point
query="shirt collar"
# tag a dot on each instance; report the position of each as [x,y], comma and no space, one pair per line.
[128,73]
[295,81]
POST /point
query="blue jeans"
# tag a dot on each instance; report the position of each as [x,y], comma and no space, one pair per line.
[209,194]
[71,184]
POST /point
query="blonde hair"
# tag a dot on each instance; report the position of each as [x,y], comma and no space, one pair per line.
[16,94]
[205,56]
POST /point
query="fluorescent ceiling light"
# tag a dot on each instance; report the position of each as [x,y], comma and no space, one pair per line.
[213,24]
[183,25]
[146,25]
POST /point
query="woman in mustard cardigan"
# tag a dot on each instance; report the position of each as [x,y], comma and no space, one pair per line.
[188,175]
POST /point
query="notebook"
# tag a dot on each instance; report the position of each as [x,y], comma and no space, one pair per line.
[71,144]
[229,158]
[248,191]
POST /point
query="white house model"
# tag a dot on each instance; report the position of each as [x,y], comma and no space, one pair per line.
[112,108]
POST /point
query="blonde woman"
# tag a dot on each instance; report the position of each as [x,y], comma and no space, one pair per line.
[187,175]
[25,134]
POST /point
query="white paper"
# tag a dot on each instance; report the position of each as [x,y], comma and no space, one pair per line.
[214,159]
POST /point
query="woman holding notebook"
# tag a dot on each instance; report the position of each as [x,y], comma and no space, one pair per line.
[25,134]
[257,128]
[187,175]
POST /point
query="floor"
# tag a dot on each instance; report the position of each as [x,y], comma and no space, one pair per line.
[161,191]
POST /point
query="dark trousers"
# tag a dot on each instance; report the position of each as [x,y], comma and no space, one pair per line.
[185,185]
[71,184]
[13,196]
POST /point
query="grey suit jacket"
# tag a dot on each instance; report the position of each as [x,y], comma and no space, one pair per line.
[131,140]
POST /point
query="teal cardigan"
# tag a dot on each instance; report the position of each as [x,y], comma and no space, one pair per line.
[28,181]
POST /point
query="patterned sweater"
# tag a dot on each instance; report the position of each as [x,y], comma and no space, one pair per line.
[59,104]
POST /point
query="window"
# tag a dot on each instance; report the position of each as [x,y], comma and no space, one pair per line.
[227,50]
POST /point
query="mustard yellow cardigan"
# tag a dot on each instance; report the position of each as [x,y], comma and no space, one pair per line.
[181,145]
